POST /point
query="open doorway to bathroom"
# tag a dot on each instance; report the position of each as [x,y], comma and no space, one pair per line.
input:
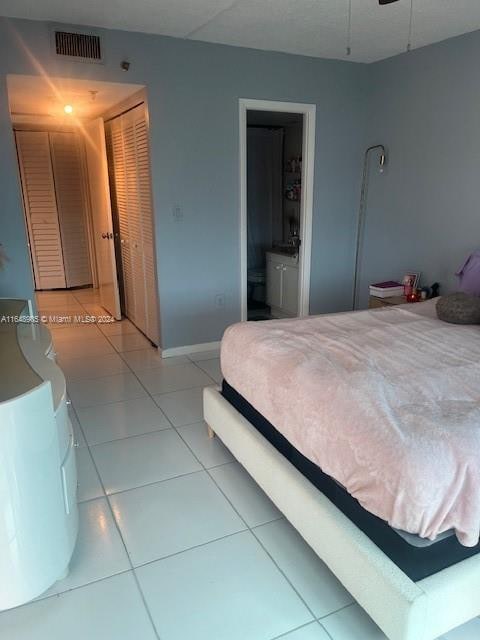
[276,177]
[84,166]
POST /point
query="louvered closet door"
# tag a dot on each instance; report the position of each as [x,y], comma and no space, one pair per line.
[120,182]
[128,141]
[40,208]
[70,188]
[134,219]
[146,222]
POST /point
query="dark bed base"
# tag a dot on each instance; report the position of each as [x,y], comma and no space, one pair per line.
[416,562]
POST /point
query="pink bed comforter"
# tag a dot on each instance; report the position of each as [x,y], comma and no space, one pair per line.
[387,402]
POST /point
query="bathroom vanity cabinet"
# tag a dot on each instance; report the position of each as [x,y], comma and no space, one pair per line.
[282,284]
[38,477]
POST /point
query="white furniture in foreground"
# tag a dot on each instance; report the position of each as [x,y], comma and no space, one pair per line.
[38,478]
[403,609]
[282,284]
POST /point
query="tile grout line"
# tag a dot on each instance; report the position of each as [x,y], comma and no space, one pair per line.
[134,435]
[206,470]
[149,484]
[142,595]
[218,487]
[303,626]
[104,404]
[112,513]
[250,529]
[59,594]
[345,606]
[152,396]
[195,546]
[111,508]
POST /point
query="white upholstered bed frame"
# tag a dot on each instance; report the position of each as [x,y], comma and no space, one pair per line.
[403,609]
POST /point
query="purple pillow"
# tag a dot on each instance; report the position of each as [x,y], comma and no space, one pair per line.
[469,275]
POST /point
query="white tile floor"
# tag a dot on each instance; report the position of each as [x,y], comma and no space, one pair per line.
[176,541]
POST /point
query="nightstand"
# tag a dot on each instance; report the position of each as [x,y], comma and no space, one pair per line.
[375,303]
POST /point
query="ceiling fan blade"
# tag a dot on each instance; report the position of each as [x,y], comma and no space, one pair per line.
[381,2]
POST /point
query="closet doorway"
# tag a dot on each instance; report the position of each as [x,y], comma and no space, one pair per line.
[55,200]
[84,162]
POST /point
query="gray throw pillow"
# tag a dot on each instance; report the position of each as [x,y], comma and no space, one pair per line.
[459,308]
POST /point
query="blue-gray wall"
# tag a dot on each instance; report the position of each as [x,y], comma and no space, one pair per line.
[424,212]
[193,91]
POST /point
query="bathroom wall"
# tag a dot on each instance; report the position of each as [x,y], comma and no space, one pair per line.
[264,192]
[193,90]
[424,213]
[292,149]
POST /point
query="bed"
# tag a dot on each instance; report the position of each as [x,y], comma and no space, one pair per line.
[364,429]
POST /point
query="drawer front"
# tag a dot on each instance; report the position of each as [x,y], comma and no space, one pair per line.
[64,428]
[69,479]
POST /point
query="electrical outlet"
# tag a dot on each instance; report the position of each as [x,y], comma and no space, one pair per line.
[177,213]
[220,300]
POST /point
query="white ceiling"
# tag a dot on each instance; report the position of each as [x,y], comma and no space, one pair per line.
[40,96]
[308,27]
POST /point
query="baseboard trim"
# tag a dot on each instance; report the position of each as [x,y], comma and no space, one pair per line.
[190,348]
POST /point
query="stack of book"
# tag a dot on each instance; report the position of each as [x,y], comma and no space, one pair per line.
[386,289]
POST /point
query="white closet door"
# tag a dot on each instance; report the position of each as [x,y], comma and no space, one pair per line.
[40,208]
[70,188]
[120,182]
[128,142]
[146,223]
[134,218]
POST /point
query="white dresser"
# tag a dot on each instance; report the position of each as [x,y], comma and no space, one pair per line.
[38,477]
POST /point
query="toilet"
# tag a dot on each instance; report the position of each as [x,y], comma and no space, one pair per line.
[256,284]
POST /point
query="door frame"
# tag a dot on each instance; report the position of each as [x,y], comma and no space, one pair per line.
[306,206]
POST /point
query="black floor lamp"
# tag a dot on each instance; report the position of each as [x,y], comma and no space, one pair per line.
[382,159]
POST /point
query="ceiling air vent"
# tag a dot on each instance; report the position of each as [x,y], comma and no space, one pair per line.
[85,46]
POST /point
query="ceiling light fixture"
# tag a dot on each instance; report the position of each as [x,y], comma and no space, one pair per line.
[68,109]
